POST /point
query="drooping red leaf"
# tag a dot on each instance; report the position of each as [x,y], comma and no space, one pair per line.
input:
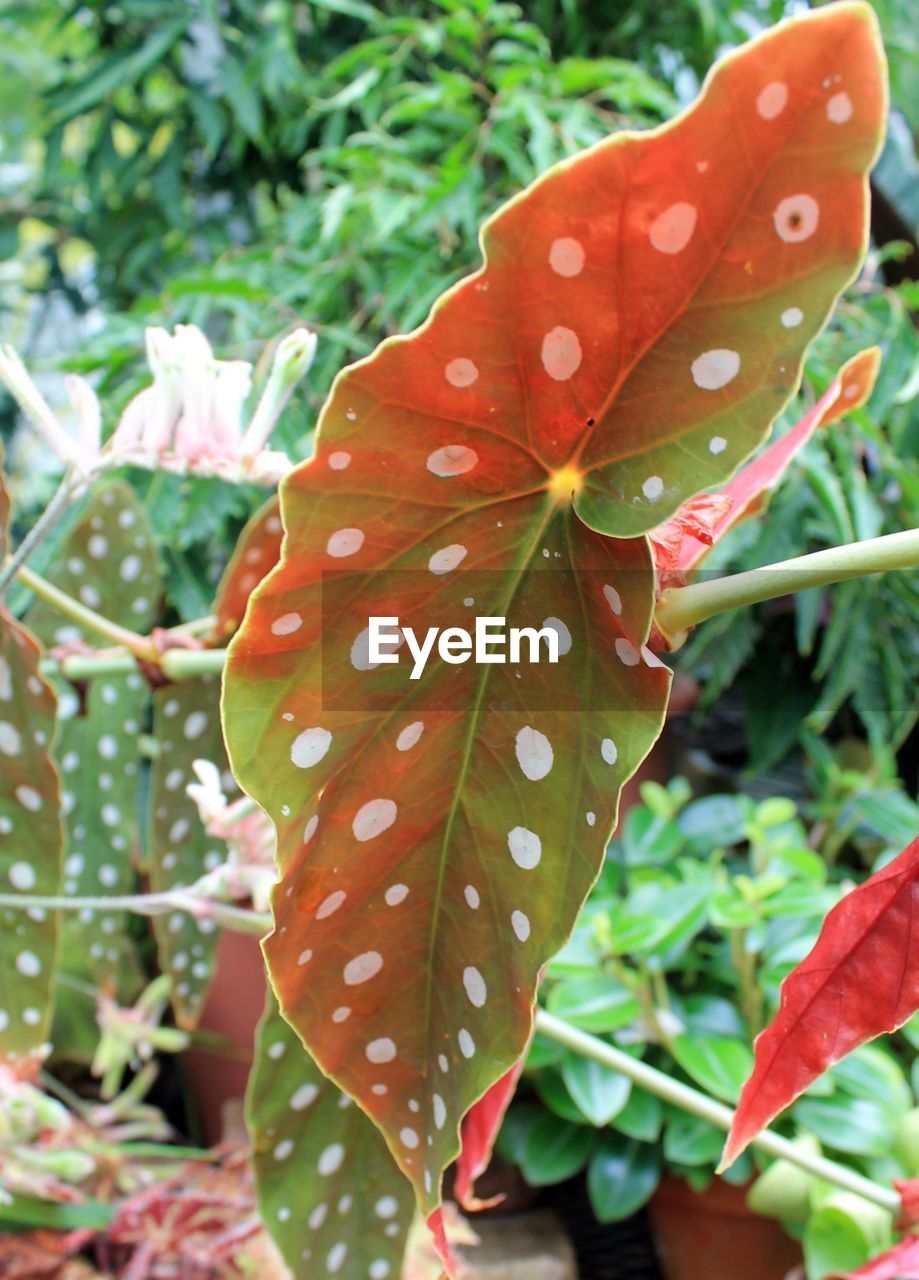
[186,725]
[683,541]
[256,553]
[908,1216]
[835,999]
[640,319]
[329,1194]
[478,1134]
[899,1263]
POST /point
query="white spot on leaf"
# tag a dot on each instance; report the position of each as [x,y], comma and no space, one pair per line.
[715,369]
[566,257]
[373,818]
[452,460]
[772,100]
[671,231]
[561,353]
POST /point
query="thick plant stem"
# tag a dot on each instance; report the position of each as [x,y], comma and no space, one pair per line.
[138,645]
[176,664]
[236,919]
[716,1113]
[70,488]
[681,608]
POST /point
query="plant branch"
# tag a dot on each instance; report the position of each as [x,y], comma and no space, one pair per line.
[705,1108]
[69,489]
[136,644]
[681,608]
[236,919]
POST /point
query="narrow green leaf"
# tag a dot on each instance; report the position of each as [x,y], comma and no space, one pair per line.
[329,1193]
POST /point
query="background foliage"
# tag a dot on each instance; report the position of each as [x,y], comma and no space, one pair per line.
[249,167]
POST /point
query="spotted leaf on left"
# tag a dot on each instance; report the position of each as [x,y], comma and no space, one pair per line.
[186,725]
[108,563]
[31,842]
[328,1192]
[31,836]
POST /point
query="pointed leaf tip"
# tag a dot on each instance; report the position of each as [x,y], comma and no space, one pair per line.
[831,1003]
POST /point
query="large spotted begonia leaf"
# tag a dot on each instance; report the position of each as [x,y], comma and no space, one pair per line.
[328,1191]
[640,319]
[256,553]
[108,563]
[186,725]
[31,836]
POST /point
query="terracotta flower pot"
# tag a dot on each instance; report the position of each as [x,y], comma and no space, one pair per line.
[709,1234]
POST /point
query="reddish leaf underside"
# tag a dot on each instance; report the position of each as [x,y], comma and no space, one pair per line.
[186,725]
[899,1263]
[479,1131]
[833,1001]
[908,1190]
[640,319]
[256,553]
[328,1191]
[682,543]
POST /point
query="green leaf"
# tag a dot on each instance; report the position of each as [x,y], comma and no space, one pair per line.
[554,1150]
[599,1093]
[691,1141]
[719,1064]
[121,69]
[328,1192]
[622,1177]
[98,754]
[641,1117]
[186,725]
[31,842]
[108,562]
[595,1004]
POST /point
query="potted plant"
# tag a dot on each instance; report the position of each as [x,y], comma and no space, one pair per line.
[703,907]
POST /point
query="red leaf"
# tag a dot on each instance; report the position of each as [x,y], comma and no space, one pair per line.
[479,1131]
[256,553]
[909,1203]
[834,1001]
[899,1263]
[435,854]
[683,541]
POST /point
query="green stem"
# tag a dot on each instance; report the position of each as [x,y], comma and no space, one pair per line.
[681,608]
[176,664]
[236,919]
[86,617]
[69,488]
[705,1108]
